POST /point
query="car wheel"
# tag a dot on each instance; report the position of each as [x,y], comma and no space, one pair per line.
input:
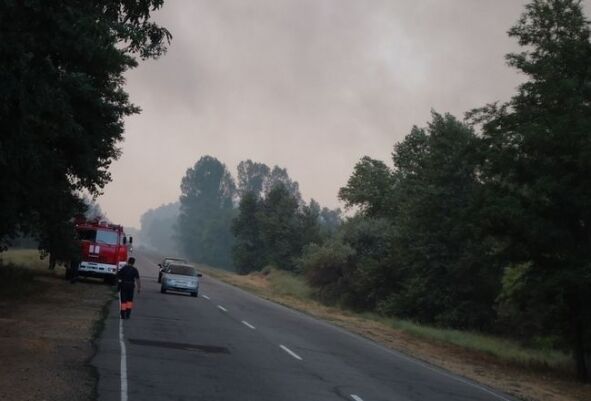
[194,294]
[163,290]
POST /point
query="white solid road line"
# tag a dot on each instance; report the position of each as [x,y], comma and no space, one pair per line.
[204,296]
[290,352]
[250,326]
[222,308]
[356,397]
[123,365]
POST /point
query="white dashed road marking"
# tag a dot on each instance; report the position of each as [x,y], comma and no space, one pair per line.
[205,296]
[222,308]
[290,352]
[250,326]
[356,397]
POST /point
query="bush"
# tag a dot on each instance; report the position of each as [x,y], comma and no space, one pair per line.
[324,267]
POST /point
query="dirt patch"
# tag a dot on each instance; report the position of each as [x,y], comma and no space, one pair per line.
[45,340]
[478,366]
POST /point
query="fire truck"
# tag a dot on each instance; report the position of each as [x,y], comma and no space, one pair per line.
[104,249]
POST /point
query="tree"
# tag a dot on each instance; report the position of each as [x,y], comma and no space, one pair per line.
[206,211]
[369,188]
[330,220]
[62,102]
[536,167]
[280,228]
[249,249]
[279,176]
[354,267]
[448,278]
[310,227]
[252,177]
[158,228]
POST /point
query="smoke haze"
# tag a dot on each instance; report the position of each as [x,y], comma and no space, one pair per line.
[310,85]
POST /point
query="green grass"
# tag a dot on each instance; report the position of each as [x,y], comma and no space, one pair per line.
[288,284]
[25,258]
[505,350]
[18,269]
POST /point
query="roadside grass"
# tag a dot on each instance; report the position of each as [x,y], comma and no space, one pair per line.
[25,258]
[18,269]
[502,349]
[291,290]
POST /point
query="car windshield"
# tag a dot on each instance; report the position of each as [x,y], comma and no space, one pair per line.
[183,270]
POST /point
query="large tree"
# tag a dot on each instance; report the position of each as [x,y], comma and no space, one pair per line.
[448,278]
[279,177]
[537,169]
[369,188]
[280,227]
[206,211]
[249,248]
[62,101]
[252,177]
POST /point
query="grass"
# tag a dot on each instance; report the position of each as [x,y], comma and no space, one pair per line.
[25,258]
[502,349]
[291,290]
[18,269]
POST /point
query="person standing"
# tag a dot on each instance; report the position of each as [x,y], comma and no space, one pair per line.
[128,276]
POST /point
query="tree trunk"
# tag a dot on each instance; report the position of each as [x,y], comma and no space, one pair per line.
[52,261]
[579,344]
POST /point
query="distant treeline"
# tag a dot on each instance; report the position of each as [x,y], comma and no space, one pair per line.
[212,223]
[482,224]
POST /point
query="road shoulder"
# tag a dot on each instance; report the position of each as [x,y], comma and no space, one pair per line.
[46,339]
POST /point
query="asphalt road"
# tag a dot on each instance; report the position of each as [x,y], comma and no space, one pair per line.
[230,345]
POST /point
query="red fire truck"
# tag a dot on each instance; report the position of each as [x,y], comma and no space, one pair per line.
[104,249]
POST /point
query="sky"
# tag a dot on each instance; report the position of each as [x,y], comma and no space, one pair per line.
[309,85]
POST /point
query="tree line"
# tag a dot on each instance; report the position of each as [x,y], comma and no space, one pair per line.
[216,213]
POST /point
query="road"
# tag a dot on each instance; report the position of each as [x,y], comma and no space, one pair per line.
[230,345]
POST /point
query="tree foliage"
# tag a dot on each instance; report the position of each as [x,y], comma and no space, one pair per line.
[62,104]
[206,210]
[273,224]
[536,165]
[158,228]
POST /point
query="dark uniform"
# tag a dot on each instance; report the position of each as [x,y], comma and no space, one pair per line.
[127,276]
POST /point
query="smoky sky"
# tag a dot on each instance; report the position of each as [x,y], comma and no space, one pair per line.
[310,85]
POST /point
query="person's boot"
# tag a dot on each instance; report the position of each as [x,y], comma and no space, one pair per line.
[122,314]
[128,313]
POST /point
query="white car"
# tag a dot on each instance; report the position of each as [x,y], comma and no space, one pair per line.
[181,278]
[166,262]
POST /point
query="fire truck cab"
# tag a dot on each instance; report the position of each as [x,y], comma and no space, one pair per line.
[104,249]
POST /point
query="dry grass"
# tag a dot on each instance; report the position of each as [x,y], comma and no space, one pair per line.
[499,363]
[45,334]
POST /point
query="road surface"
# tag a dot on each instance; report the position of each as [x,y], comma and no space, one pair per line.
[230,345]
